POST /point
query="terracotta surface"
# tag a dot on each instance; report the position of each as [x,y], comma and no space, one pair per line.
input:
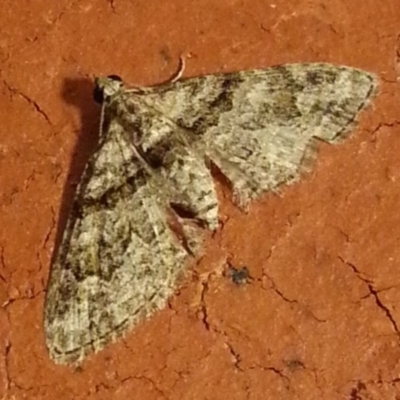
[319,316]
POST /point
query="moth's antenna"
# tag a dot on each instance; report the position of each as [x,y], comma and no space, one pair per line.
[102,119]
[179,73]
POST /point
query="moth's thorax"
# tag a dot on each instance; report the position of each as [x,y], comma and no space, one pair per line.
[123,109]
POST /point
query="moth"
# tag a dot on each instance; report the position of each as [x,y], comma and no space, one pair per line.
[147,195]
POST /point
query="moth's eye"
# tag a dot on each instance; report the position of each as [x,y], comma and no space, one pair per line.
[98,94]
[115,78]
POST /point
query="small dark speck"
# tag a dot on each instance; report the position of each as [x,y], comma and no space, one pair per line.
[239,276]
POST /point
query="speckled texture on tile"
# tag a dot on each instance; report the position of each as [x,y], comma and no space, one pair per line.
[319,317]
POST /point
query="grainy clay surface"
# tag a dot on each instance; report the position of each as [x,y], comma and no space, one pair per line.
[318,317]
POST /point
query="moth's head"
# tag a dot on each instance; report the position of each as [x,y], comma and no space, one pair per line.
[106,87]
